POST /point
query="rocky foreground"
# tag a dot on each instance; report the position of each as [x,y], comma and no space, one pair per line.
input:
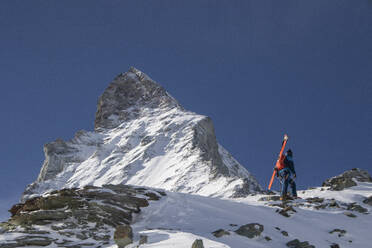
[85,217]
[128,216]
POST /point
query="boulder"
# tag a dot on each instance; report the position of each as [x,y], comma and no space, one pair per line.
[339,231]
[298,244]
[347,179]
[198,243]
[348,214]
[123,235]
[284,233]
[355,207]
[368,200]
[315,200]
[143,239]
[250,230]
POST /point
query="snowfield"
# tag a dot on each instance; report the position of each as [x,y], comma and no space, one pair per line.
[178,219]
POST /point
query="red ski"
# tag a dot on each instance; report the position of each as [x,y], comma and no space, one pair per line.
[280,158]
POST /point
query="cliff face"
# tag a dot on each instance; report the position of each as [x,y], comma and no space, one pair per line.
[143,136]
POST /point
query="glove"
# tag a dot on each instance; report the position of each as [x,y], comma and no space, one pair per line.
[294,176]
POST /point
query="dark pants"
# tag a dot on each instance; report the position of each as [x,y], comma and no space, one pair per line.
[287,179]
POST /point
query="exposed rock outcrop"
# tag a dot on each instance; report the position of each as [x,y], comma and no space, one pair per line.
[368,200]
[298,244]
[250,230]
[347,179]
[64,216]
[198,243]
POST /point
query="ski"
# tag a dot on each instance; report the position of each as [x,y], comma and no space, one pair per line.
[279,158]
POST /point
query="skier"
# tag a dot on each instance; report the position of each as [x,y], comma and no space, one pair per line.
[287,173]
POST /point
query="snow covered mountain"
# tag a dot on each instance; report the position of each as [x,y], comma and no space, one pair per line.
[153,175]
[144,137]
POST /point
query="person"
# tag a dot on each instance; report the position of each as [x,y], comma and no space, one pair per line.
[287,174]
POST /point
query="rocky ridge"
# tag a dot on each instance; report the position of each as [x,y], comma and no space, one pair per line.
[347,179]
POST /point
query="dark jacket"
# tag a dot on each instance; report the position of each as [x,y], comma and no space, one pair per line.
[288,162]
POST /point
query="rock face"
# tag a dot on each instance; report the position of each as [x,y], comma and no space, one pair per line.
[72,217]
[125,97]
[347,179]
[144,137]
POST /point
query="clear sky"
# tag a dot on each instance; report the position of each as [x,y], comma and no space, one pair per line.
[258,68]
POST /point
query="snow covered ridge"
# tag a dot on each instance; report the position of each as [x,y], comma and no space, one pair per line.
[144,137]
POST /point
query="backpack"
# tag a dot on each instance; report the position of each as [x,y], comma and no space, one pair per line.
[280,163]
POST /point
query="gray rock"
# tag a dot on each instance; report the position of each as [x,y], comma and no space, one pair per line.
[250,230]
[270,198]
[315,200]
[348,214]
[297,244]
[220,232]
[143,239]
[368,200]
[340,232]
[333,204]
[34,241]
[286,211]
[9,245]
[123,235]
[284,233]
[198,243]
[355,207]
[346,179]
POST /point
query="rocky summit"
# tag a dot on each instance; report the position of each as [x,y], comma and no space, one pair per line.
[143,136]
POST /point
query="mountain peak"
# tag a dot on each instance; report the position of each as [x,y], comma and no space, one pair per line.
[127,95]
[144,137]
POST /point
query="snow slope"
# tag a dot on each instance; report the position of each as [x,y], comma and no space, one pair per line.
[178,219]
[144,137]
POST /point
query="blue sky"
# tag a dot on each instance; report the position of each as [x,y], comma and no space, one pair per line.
[258,68]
